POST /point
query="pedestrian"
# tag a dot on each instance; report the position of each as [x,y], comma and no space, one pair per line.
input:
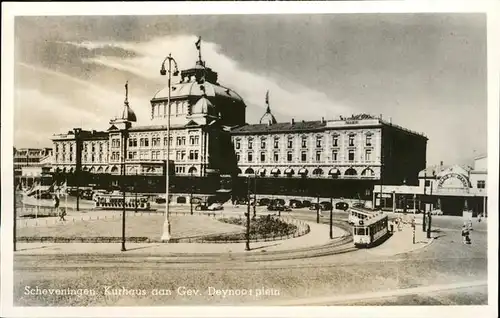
[479,217]
[469,226]
[465,235]
[56,203]
[62,215]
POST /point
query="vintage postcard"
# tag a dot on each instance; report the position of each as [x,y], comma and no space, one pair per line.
[248,159]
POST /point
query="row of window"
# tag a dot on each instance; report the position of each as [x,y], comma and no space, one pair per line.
[115,143]
[303,156]
[181,155]
[304,142]
[156,141]
[176,108]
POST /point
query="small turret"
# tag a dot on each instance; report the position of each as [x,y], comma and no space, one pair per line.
[268,117]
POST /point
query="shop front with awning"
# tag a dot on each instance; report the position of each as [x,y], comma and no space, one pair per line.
[289,172]
[262,172]
[334,173]
[303,172]
[275,172]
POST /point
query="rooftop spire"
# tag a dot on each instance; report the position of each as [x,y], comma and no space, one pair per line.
[126,93]
[128,114]
[268,117]
[198,47]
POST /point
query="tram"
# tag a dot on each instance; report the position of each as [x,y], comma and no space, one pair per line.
[370,230]
[114,201]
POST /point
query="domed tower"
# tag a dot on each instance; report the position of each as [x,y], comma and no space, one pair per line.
[268,117]
[198,97]
[128,115]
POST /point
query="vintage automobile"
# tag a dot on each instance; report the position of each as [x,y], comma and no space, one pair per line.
[296,204]
[263,201]
[325,205]
[306,203]
[341,206]
[215,207]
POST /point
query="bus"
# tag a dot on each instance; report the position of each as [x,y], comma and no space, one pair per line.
[370,230]
[114,201]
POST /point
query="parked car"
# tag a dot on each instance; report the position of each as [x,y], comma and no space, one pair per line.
[201,207]
[196,200]
[296,204]
[215,207]
[160,200]
[240,201]
[274,207]
[436,212]
[263,201]
[341,206]
[278,207]
[279,201]
[306,203]
[325,205]
[314,206]
[358,205]
[87,194]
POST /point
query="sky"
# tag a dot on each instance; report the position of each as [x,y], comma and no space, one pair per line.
[425,72]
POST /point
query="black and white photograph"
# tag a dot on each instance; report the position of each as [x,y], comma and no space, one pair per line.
[257,159]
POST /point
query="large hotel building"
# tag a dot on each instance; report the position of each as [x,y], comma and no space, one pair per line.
[212,147]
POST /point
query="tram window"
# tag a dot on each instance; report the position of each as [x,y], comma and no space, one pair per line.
[361,231]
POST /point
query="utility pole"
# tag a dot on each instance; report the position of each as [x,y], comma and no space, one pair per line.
[135,189]
[247,247]
[317,210]
[255,197]
[191,194]
[331,218]
[425,197]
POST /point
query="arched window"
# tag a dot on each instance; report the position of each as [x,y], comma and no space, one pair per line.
[192,170]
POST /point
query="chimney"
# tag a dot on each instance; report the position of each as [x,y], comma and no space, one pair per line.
[293,121]
[322,120]
[441,166]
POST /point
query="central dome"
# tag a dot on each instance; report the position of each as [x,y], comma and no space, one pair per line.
[197,89]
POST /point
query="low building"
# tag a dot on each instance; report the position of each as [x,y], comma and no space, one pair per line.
[451,189]
[29,157]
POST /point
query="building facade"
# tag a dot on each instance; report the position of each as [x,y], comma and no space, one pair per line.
[212,146]
[356,152]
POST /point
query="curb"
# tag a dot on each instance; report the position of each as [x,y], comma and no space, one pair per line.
[416,249]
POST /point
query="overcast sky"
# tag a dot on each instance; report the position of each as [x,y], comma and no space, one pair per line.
[425,71]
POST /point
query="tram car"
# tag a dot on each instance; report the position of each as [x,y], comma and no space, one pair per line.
[370,230]
[358,214]
[114,201]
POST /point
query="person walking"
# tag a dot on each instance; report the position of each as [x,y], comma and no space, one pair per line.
[479,217]
[62,215]
[465,234]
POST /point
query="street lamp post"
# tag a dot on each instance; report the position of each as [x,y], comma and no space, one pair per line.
[14,229]
[247,246]
[124,157]
[135,189]
[163,72]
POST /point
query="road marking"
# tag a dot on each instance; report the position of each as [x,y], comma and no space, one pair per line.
[376,295]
